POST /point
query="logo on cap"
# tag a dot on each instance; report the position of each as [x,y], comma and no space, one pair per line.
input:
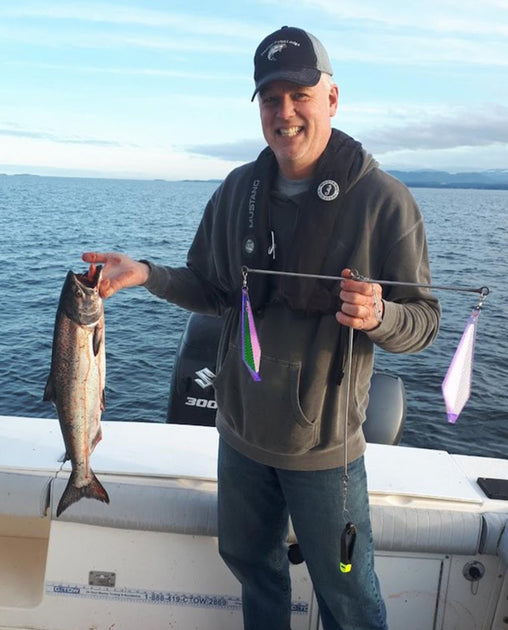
[274,49]
[328,190]
[278,46]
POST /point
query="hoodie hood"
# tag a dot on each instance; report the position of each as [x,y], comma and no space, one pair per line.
[343,164]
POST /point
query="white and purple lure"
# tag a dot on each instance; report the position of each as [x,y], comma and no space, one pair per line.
[456,386]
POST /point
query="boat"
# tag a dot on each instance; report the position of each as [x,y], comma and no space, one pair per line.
[149,559]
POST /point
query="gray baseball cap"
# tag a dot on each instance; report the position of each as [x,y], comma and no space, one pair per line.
[290,54]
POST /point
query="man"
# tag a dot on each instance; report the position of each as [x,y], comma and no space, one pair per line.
[314,202]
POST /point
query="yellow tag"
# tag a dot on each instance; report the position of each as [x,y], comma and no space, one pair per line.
[345,568]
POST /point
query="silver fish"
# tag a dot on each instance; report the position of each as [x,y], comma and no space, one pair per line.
[77,378]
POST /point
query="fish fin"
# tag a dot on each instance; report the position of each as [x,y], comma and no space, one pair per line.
[97,339]
[72,494]
[103,400]
[49,390]
[96,439]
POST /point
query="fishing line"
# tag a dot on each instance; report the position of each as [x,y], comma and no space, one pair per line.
[346,405]
[348,537]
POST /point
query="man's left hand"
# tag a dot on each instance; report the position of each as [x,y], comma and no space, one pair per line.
[362,303]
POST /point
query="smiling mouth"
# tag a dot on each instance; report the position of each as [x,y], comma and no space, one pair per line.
[290,132]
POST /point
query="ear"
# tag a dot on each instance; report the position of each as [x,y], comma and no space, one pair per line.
[333,98]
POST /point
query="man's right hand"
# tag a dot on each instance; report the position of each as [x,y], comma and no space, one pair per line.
[118,272]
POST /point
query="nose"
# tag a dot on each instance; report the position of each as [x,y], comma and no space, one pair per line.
[286,107]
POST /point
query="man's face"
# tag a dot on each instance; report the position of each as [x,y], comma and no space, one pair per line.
[296,123]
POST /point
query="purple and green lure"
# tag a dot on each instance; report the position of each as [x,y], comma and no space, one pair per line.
[251,350]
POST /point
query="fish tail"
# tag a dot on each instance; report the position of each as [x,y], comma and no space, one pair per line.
[72,494]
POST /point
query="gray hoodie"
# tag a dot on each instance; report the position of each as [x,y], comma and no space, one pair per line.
[293,418]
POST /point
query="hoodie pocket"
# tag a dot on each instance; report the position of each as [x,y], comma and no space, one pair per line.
[265,414]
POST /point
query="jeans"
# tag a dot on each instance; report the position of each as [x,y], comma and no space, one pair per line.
[255,502]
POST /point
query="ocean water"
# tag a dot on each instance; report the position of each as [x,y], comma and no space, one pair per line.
[46,223]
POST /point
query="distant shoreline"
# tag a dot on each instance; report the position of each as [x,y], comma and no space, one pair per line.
[481,180]
[465,186]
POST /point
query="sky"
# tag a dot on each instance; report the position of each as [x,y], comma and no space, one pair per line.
[162,89]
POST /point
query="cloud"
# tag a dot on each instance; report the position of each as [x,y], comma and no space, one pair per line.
[442,31]
[464,32]
[107,13]
[33,152]
[103,38]
[43,135]
[461,128]
[453,160]
[240,151]
[416,50]
[434,16]
[457,129]
[82,77]
[125,71]
[89,25]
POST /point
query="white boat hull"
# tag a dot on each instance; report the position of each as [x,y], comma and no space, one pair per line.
[149,560]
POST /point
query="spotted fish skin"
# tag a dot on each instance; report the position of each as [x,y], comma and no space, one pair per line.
[77,379]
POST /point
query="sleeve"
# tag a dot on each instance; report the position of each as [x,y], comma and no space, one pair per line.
[408,327]
[181,286]
[411,314]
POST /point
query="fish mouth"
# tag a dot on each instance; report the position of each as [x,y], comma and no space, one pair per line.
[90,278]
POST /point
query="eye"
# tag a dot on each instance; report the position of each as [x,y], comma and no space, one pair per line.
[268,100]
[78,293]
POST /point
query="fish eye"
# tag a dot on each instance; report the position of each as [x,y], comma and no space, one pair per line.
[78,293]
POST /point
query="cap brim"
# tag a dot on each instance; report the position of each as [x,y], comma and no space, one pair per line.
[302,76]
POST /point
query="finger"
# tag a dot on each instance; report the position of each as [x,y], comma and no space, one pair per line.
[91,272]
[347,320]
[95,257]
[105,289]
[353,297]
[359,310]
[354,286]
[362,307]
[359,315]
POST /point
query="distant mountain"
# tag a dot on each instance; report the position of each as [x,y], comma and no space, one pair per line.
[428,178]
[492,179]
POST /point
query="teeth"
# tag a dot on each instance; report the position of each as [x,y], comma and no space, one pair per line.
[292,131]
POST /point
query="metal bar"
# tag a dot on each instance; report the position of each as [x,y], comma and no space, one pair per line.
[356,276]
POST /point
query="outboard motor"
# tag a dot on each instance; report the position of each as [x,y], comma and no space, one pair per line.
[386,412]
[192,397]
